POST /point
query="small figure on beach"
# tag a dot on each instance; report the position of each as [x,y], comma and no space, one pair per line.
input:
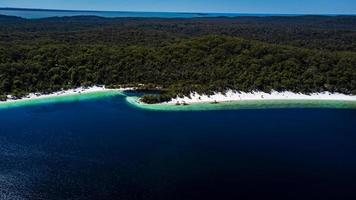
[215,102]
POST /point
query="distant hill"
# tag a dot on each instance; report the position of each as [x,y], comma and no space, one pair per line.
[4,18]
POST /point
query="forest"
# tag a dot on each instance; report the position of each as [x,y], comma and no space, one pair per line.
[300,54]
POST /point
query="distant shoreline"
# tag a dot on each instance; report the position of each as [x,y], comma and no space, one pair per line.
[124,11]
[36,13]
[177,12]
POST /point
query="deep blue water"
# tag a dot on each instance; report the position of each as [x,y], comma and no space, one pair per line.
[35,14]
[106,149]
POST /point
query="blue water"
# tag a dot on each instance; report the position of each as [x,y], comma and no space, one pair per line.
[106,149]
[35,14]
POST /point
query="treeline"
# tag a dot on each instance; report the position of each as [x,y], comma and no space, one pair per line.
[203,64]
[332,33]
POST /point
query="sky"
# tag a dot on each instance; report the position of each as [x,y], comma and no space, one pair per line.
[220,6]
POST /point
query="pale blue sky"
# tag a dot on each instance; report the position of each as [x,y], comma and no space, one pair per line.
[235,6]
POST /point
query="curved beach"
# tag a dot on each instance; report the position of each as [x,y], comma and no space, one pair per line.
[197,102]
[241,100]
[253,96]
[70,95]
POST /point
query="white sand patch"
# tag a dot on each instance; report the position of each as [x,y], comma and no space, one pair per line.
[76,91]
[256,96]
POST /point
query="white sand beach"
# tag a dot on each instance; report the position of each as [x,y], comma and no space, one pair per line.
[195,98]
[233,96]
[70,92]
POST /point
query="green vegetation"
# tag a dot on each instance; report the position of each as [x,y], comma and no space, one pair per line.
[42,56]
[3,97]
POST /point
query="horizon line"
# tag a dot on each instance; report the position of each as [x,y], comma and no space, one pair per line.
[182,12]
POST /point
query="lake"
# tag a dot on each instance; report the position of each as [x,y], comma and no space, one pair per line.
[105,148]
[35,14]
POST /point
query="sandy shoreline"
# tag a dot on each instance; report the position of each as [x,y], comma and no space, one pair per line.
[234,96]
[194,99]
[70,92]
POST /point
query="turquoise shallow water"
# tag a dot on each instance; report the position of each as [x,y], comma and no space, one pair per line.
[100,146]
[133,101]
[60,99]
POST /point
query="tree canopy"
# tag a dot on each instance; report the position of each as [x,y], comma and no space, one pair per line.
[180,56]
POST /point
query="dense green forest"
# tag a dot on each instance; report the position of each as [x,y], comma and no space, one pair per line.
[317,32]
[301,54]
